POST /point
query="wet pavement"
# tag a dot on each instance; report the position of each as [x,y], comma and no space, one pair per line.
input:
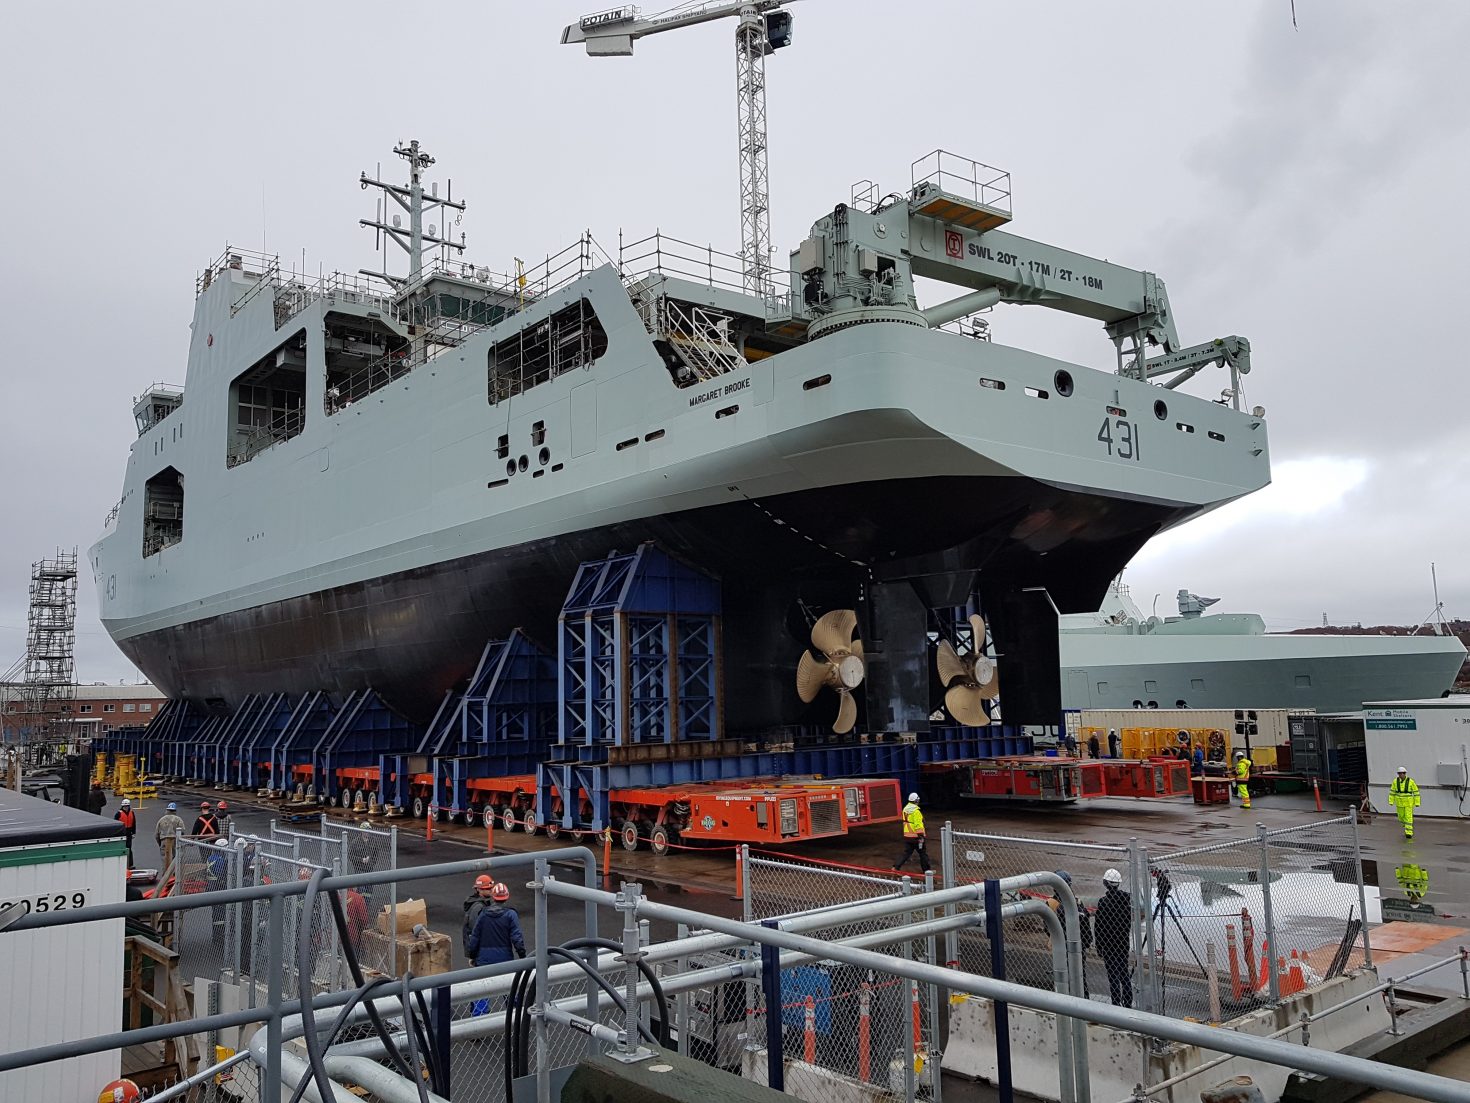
[704,880]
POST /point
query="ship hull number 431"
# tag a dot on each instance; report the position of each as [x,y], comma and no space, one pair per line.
[1120,436]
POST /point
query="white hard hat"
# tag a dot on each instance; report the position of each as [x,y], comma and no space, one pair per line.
[127,803]
[1112,877]
[1239,754]
[1402,770]
[914,797]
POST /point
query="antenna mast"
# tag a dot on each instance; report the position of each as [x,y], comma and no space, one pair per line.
[1437,613]
[412,200]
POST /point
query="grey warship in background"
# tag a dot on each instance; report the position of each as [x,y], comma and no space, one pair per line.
[1119,658]
[364,478]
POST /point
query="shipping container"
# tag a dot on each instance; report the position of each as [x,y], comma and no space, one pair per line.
[55,858]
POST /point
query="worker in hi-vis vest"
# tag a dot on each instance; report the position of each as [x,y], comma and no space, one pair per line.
[913,834]
[1242,778]
[1403,794]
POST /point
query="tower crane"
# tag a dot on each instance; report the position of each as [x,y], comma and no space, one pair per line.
[763,28]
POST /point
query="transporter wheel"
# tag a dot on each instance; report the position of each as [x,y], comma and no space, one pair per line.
[345,798]
[300,791]
[487,815]
[508,821]
[660,840]
[553,829]
[628,833]
[420,809]
[472,813]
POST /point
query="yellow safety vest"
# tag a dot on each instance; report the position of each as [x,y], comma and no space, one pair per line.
[1242,769]
[913,821]
[1403,793]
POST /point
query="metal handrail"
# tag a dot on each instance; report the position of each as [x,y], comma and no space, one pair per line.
[1302,1023]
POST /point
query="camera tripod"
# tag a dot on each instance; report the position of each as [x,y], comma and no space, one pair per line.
[1164,910]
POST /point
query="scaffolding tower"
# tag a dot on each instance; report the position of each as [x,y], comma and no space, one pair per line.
[47,689]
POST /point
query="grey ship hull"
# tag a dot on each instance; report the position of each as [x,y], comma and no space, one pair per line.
[413,635]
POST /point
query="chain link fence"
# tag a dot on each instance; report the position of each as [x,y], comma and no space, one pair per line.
[206,939]
[1240,925]
[318,926]
[1206,933]
[367,849]
[320,849]
[972,857]
[846,1032]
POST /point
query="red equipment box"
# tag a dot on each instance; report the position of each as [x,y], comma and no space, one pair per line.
[1155,777]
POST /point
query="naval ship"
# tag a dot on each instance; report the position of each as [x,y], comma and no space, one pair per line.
[364,477]
[1119,658]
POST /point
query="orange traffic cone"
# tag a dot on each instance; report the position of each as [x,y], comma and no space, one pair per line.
[1298,978]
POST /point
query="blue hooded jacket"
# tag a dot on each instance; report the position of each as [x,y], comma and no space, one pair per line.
[496,937]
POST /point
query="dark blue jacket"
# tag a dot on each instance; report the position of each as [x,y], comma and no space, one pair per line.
[496,937]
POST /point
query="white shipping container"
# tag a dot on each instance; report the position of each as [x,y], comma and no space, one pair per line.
[62,983]
[1431,738]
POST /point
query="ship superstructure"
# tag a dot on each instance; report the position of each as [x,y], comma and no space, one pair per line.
[364,479]
[1120,658]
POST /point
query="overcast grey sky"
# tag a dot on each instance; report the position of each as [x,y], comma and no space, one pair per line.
[1305,188]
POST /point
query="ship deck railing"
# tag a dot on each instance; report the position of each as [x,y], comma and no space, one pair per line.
[282,427]
[241,260]
[661,254]
[294,294]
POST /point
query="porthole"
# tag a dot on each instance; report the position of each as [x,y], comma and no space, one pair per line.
[510,468]
[544,456]
[1062,382]
[523,463]
[1161,410]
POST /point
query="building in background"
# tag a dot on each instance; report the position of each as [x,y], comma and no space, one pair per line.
[93,709]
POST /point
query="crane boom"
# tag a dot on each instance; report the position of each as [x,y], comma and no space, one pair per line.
[763,28]
[611,33]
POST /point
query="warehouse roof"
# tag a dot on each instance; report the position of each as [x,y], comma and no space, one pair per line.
[28,821]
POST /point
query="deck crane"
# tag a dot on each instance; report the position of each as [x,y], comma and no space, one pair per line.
[763,27]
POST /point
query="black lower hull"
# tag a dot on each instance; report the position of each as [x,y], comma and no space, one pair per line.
[414,635]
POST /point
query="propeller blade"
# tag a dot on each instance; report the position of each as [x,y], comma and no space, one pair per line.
[833,631]
[811,676]
[987,676]
[846,713]
[951,667]
[966,705]
[977,625]
[856,647]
